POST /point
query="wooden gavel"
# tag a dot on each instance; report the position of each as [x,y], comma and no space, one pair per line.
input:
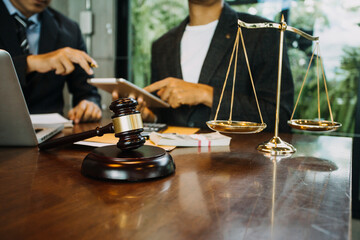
[126,124]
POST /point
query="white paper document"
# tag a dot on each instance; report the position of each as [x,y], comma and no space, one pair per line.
[192,140]
[48,119]
[93,144]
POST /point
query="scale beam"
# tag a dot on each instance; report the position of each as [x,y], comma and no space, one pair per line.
[277,26]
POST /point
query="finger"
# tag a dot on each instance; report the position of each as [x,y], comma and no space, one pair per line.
[131,95]
[156,86]
[71,114]
[87,116]
[115,95]
[84,64]
[145,114]
[58,67]
[141,101]
[99,115]
[81,58]
[79,111]
[160,92]
[141,104]
[174,102]
[90,60]
[96,115]
[68,66]
[175,105]
[91,113]
[166,93]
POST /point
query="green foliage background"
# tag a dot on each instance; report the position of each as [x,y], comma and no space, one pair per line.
[152,18]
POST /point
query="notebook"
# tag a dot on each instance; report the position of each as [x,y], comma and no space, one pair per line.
[16,128]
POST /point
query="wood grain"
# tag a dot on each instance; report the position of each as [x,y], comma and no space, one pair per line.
[216,193]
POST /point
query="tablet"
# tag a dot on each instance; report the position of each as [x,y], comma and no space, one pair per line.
[125,88]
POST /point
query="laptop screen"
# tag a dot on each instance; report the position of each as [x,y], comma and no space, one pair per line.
[16,128]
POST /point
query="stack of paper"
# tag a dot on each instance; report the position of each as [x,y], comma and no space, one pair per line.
[192,140]
[110,139]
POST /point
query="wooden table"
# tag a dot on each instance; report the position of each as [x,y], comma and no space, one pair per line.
[219,193]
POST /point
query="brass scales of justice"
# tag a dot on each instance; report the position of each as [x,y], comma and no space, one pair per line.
[275,146]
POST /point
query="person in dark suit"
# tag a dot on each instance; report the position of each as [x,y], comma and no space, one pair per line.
[55,54]
[189,72]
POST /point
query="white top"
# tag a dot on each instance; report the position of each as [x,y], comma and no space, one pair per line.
[194,46]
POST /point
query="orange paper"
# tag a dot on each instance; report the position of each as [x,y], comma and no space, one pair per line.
[111,139]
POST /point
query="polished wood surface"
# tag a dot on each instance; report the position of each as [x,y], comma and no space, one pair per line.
[230,192]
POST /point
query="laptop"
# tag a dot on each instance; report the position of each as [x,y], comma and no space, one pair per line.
[16,128]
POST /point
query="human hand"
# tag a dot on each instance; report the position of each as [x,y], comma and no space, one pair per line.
[85,111]
[61,60]
[178,92]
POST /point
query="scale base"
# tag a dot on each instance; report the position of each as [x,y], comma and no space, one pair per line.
[143,163]
[276,146]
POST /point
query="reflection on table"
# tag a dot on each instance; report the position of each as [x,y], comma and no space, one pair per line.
[215,193]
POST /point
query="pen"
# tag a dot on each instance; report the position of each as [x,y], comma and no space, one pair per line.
[93,65]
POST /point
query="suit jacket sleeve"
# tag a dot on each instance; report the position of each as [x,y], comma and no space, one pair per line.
[20,64]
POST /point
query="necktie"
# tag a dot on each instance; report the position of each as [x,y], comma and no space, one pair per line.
[21,27]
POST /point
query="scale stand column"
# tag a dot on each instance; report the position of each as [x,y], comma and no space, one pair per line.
[276,146]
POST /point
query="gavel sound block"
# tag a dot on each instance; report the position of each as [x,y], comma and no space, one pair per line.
[129,160]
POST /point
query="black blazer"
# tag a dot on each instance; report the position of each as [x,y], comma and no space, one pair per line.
[44,92]
[262,47]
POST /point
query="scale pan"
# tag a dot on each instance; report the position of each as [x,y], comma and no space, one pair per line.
[238,127]
[314,125]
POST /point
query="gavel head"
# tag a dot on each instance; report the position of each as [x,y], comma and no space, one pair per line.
[127,123]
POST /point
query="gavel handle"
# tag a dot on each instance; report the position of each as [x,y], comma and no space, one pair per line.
[77,137]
